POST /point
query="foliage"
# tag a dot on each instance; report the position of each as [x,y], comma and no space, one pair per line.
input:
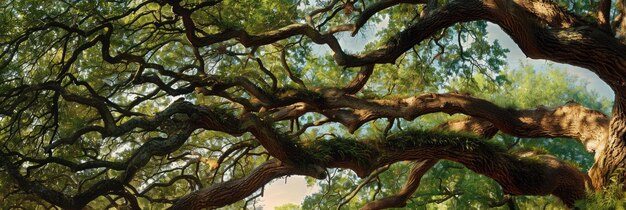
[612,197]
[289,206]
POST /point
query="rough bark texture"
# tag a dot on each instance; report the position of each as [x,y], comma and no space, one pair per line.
[611,159]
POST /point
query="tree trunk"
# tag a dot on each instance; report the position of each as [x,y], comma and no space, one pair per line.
[609,166]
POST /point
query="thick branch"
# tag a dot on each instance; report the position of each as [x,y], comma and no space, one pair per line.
[604,15]
[574,42]
[518,174]
[546,11]
[360,80]
[473,125]
[225,193]
[399,199]
[377,7]
[571,120]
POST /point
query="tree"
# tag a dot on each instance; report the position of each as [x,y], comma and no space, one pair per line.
[199,104]
[289,206]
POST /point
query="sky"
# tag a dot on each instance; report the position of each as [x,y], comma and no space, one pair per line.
[285,190]
[294,189]
[515,57]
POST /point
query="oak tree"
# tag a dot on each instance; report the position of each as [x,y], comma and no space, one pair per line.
[191,104]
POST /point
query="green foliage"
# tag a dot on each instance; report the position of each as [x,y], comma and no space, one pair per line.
[341,149]
[420,138]
[289,206]
[611,197]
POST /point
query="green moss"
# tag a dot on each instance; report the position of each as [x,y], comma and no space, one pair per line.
[485,156]
[324,151]
[419,138]
[365,151]
[292,92]
[482,156]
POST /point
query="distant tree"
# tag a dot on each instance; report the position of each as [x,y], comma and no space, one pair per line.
[289,206]
[199,104]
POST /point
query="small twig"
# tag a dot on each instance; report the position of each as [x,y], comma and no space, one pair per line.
[306,126]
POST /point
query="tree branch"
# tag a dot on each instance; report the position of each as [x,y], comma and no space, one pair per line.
[518,174]
[364,182]
[399,199]
[571,120]
[604,15]
[360,80]
[292,76]
[225,193]
[377,7]
[473,125]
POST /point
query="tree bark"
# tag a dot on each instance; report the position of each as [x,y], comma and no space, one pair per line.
[611,159]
